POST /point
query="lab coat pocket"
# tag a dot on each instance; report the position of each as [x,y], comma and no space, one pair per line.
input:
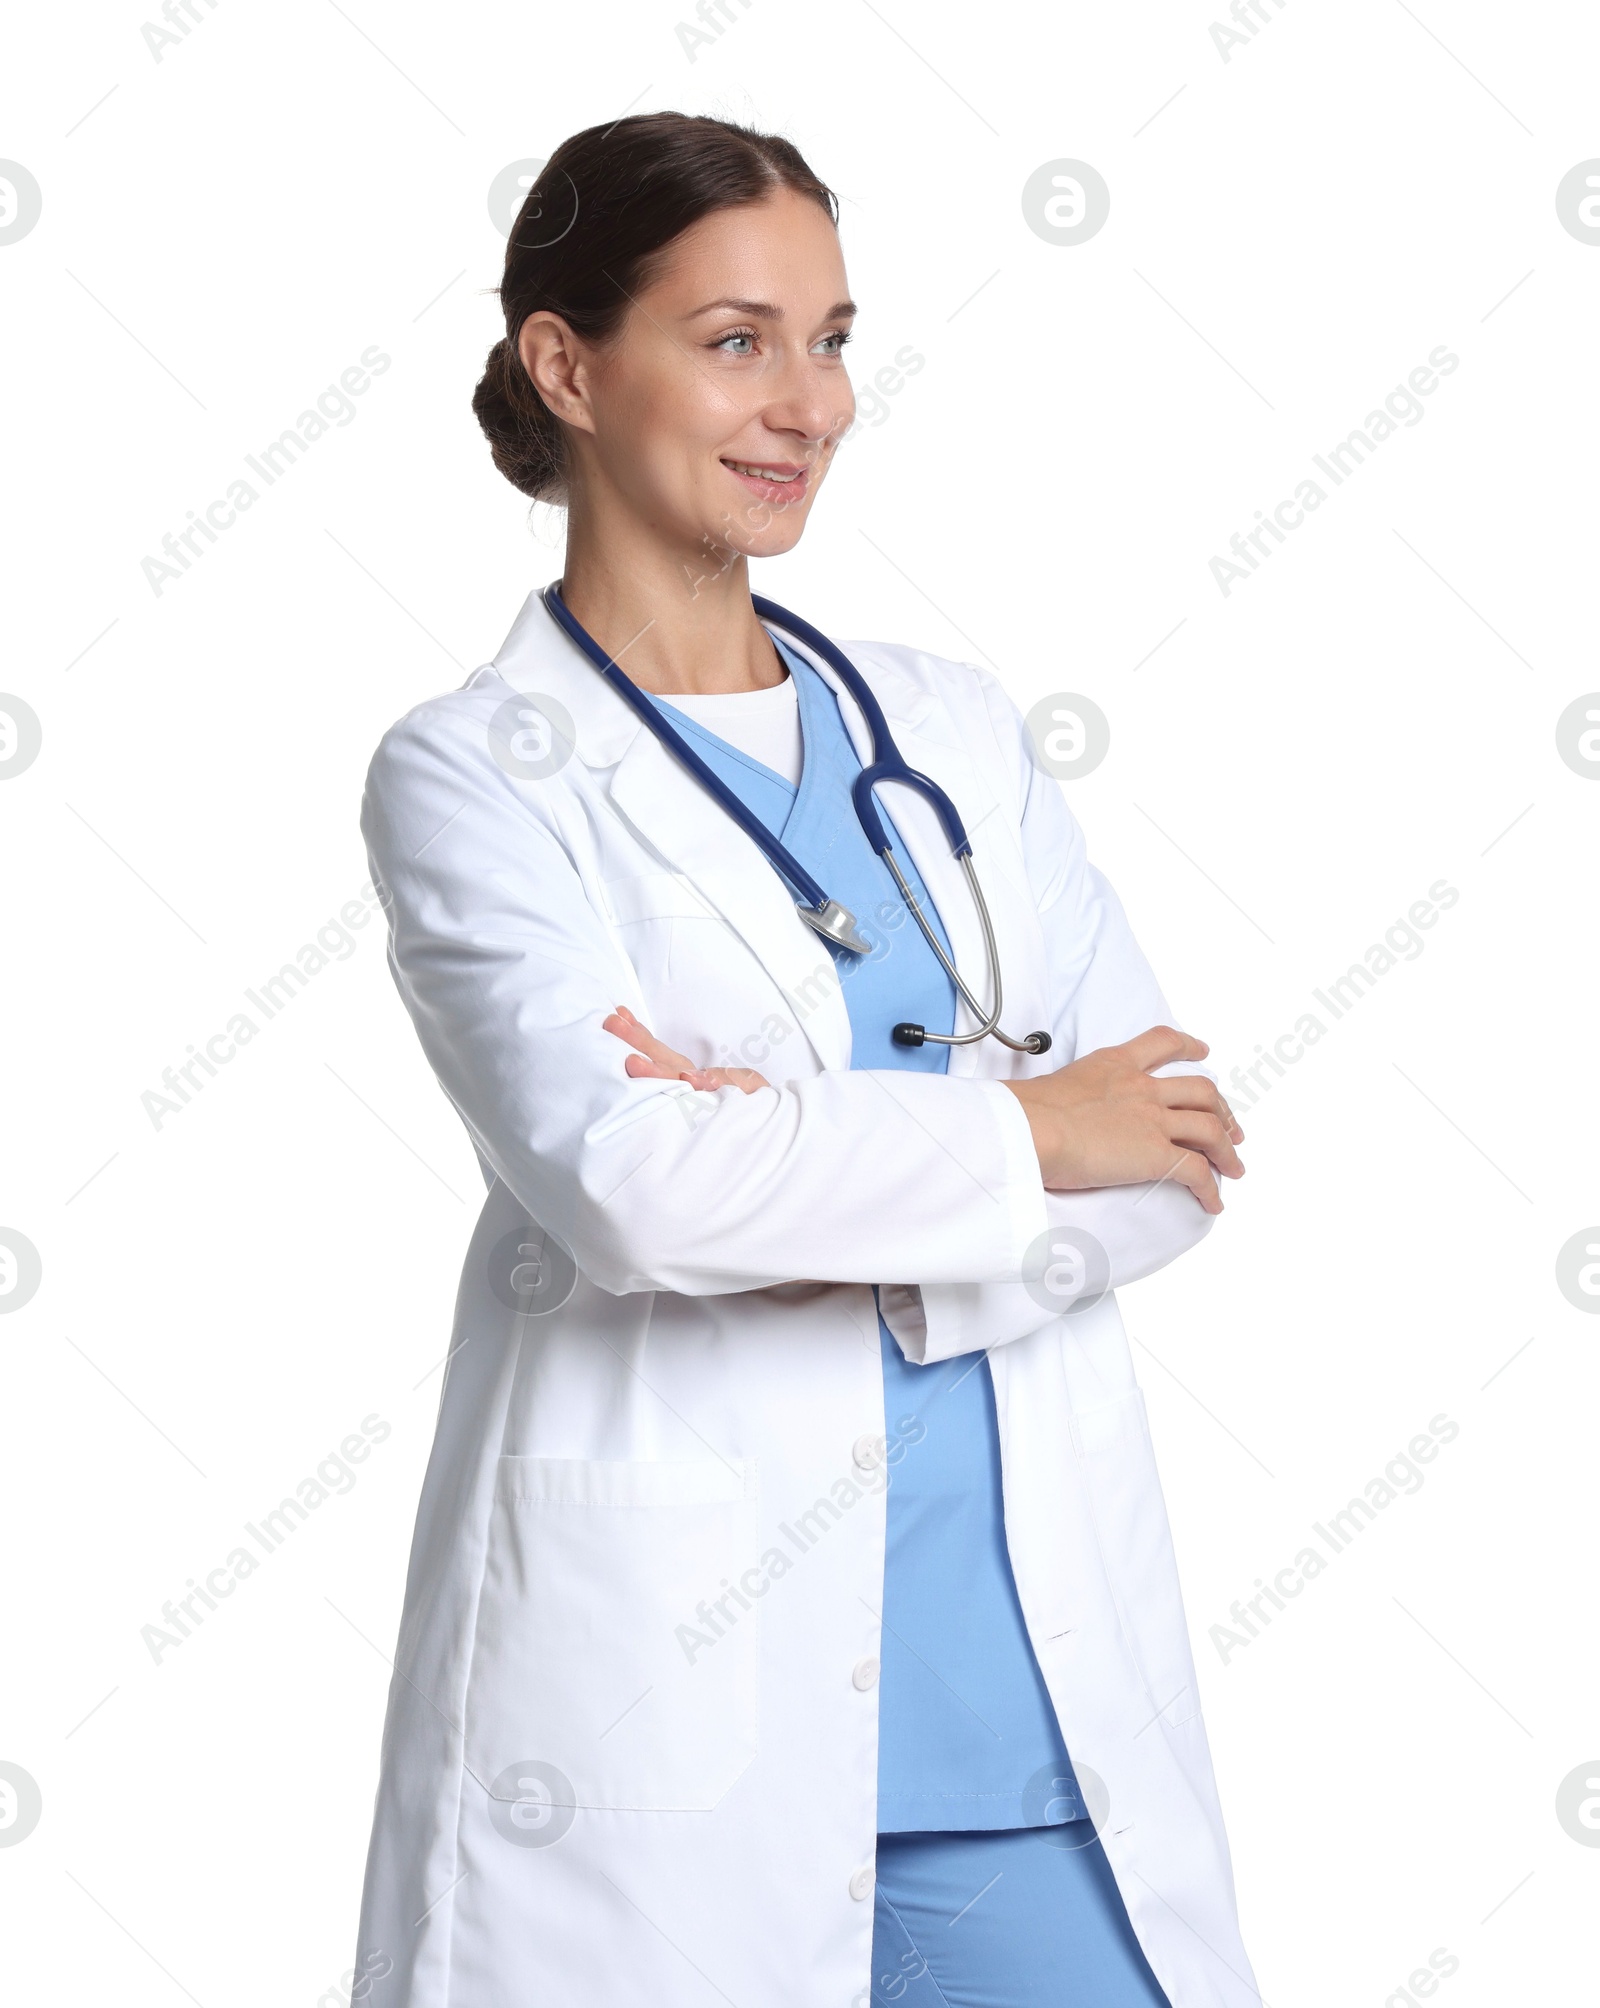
[656,896]
[589,1656]
[1112,1440]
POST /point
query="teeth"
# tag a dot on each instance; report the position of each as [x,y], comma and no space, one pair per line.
[761,473]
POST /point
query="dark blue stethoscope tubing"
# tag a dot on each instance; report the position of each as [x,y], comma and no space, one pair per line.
[895,769]
[778,854]
[887,762]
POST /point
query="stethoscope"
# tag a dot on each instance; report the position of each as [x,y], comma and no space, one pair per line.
[834,922]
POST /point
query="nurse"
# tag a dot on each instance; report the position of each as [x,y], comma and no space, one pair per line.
[674,375]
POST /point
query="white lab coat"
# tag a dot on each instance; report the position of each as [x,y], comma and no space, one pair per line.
[648,1560]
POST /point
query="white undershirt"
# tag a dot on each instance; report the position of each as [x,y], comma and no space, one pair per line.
[765,724]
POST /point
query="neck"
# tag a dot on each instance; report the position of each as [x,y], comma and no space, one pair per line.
[676,626]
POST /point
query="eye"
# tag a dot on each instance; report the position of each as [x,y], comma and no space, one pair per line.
[747,335]
[833,344]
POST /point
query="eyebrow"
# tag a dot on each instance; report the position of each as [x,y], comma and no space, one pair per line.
[765,310]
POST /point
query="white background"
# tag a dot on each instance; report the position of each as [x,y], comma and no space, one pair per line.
[1292,765]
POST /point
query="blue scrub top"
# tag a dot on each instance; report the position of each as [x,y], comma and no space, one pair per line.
[968,1738]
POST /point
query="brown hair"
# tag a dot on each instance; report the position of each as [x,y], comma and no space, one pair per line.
[590,234]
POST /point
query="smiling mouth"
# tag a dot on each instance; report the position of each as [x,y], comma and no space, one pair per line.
[783,477]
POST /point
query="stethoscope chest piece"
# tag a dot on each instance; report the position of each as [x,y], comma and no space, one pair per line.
[835,923]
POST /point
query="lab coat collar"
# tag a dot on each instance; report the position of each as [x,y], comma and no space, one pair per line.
[537,655]
[686,827]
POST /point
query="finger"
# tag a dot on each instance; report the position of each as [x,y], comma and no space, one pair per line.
[1192,1170]
[1194,1091]
[745,1079]
[1205,1133]
[1161,1045]
[639,1067]
[623,1025]
[629,1029]
[636,1036]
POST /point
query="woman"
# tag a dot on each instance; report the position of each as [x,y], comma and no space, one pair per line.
[792,1617]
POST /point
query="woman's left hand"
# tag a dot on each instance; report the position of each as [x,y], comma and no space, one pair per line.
[651,1060]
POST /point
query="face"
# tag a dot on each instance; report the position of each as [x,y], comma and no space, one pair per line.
[713,416]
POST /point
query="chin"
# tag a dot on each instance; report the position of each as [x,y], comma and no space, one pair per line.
[780,538]
[758,540]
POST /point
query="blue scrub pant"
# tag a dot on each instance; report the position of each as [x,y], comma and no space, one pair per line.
[1025,1917]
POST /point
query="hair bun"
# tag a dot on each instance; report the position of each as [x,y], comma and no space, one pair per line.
[522,431]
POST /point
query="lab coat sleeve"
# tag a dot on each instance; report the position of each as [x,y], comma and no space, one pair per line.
[1104,993]
[508,970]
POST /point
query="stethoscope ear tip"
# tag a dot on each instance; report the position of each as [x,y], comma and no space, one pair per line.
[1038,1042]
[909,1035]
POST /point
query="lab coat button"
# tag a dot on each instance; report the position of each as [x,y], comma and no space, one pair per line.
[866,1673]
[861,1883]
[867,1452]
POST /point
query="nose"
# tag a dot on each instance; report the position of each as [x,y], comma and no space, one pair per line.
[811,403]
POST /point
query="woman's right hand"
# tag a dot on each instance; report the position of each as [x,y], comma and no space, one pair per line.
[652,1059]
[1107,1120]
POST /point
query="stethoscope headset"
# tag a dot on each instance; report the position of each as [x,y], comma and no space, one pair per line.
[833,921]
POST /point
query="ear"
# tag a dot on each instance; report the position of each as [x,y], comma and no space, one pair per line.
[554,358]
